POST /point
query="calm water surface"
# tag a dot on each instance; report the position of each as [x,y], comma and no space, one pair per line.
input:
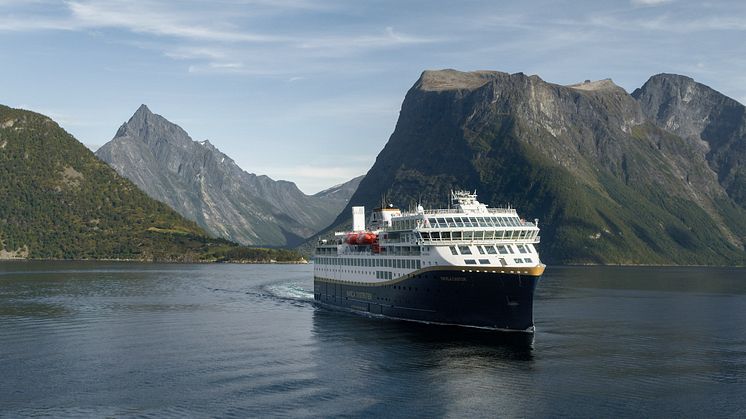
[96,339]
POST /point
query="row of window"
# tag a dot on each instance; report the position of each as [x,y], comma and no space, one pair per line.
[490,250]
[384,275]
[487,261]
[480,221]
[401,250]
[479,235]
[370,262]
[457,221]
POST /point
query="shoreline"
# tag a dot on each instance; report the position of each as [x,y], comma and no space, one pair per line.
[306,262]
[196,262]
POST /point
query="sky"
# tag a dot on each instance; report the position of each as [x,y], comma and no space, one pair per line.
[310,91]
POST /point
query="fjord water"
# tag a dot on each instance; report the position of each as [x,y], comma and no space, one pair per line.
[103,339]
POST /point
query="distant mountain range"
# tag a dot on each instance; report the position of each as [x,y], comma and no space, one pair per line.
[58,201]
[205,185]
[656,177]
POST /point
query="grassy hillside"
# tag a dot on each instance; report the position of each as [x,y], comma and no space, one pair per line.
[58,201]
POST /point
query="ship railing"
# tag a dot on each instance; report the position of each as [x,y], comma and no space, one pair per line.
[478,241]
[459,225]
[459,211]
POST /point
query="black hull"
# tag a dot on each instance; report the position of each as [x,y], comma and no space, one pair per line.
[499,301]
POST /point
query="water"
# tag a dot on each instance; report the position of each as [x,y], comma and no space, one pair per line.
[97,339]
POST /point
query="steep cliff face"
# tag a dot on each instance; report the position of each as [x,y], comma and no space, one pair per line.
[205,185]
[708,119]
[609,185]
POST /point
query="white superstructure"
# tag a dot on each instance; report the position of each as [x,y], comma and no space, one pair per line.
[469,236]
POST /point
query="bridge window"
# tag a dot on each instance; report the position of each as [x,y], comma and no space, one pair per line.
[491,250]
[453,250]
[464,250]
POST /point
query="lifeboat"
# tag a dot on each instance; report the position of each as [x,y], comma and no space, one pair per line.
[352,238]
[366,238]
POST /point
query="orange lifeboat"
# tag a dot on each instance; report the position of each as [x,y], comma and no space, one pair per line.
[352,238]
[366,238]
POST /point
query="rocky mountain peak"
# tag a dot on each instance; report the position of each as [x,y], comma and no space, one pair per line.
[205,185]
[596,85]
[142,112]
[153,129]
[608,183]
[706,118]
[449,79]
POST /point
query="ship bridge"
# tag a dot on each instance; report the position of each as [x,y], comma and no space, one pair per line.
[470,221]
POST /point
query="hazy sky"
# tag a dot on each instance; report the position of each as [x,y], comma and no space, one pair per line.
[309,91]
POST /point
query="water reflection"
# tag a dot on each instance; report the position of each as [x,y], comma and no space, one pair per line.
[418,369]
[511,344]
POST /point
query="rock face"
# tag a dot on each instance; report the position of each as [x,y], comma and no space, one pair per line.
[206,186]
[707,119]
[613,178]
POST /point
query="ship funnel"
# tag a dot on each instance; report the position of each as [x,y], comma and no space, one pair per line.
[358,218]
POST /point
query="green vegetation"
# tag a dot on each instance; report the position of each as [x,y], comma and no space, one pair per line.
[58,201]
[255,254]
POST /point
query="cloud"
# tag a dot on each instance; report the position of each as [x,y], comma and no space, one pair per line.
[649,2]
[154,18]
[226,37]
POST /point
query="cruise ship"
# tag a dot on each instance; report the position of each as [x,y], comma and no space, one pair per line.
[468,265]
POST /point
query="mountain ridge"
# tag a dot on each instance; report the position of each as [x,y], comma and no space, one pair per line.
[205,185]
[609,183]
[58,201]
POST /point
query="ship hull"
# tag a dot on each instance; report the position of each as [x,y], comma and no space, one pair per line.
[499,301]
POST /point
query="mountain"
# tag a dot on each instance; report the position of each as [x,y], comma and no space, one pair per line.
[206,186]
[706,118]
[58,201]
[607,174]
